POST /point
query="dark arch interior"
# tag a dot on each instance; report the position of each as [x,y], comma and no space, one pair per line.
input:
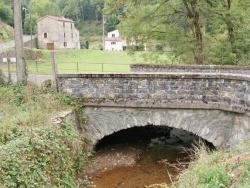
[149,135]
[152,154]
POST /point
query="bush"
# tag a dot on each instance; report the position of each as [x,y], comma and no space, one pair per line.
[159,47]
[2,80]
[34,153]
[47,157]
[213,177]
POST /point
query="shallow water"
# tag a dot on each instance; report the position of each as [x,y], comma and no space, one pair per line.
[149,169]
[162,151]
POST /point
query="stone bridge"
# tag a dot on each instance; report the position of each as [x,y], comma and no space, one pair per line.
[212,102]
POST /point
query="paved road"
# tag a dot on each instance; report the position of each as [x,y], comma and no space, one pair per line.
[11,44]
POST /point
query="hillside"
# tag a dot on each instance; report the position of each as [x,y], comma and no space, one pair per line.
[91,33]
[6,32]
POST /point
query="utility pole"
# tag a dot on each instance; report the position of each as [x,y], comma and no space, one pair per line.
[103,32]
[20,61]
[30,25]
[31,34]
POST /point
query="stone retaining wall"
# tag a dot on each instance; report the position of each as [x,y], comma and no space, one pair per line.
[151,90]
[191,68]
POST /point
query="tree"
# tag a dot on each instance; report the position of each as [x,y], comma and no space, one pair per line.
[230,32]
[111,22]
[32,10]
[6,14]
[97,6]
[30,24]
[194,30]
[72,10]
[45,7]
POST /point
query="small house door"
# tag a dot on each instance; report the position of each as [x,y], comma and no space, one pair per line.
[50,46]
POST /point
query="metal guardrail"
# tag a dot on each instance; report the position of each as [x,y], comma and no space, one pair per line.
[93,67]
[45,67]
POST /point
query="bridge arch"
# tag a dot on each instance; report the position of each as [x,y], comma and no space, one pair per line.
[209,101]
[222,129]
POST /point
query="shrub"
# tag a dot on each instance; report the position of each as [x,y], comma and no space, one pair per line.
[47,157]
[159,47]
[2,81]
[34,153]
[213,177]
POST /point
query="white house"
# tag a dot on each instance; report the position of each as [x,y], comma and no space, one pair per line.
[113,42]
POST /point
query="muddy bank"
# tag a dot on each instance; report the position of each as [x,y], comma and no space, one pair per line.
[110,158]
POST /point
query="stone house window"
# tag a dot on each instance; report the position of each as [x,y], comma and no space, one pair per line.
[64,35]
[71,26]
[65,44]
[113,35]
[45,35]
[113,43]
[72,35]
[63,24]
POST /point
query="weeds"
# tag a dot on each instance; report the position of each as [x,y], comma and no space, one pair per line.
[162,185]
[48,156]
[211,177]
[216,169]
[34,153]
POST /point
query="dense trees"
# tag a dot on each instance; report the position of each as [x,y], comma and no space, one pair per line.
[6,13]
[207,31]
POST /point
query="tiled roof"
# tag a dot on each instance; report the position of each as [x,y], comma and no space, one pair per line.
[61,18]
[114,39]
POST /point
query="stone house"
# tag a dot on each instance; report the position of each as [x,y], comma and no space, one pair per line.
[57,33]
[113,42]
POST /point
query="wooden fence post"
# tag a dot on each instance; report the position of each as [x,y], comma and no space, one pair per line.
[36,66]
[8,64]
[54,67]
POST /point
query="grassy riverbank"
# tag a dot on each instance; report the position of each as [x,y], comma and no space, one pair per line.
[216,169]
[34,152]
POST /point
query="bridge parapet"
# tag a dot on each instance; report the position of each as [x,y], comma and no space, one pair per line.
[229,92]
[191,68]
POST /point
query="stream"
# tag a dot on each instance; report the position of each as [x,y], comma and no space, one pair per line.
[138,157]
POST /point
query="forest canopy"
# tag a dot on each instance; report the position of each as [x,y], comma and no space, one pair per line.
[196,31]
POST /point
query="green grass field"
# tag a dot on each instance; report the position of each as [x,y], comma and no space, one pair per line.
[69,61]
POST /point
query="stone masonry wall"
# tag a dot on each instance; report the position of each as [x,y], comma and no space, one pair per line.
[221,128]
[191,68]
[173,90]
